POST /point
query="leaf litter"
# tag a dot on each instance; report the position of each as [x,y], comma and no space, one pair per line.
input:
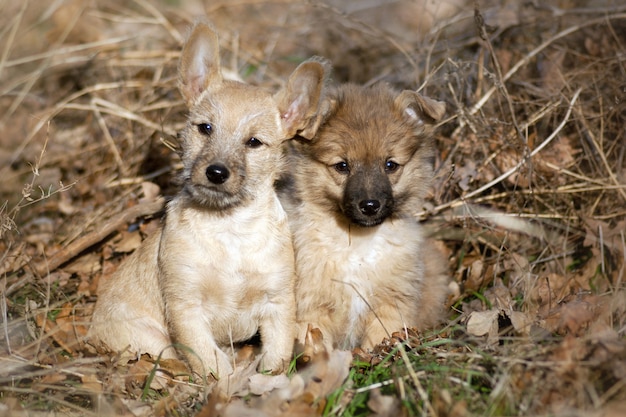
[528,201]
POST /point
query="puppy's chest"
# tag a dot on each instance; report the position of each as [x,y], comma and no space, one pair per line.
[236,253]
[356,268]
[355,256]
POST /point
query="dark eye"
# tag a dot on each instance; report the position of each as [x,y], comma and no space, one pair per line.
[205,128]
[391,166]
[342,167]
[254,143]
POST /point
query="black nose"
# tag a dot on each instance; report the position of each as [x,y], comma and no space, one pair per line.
[217,173]
[369,207]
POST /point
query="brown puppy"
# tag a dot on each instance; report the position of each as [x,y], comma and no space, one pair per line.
[221,267]
[364,270]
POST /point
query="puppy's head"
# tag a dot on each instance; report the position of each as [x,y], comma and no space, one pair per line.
[372,155]
[231,145]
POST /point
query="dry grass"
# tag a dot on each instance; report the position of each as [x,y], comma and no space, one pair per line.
[529,198]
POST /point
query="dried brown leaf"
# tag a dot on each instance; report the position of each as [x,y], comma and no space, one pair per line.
[576,315]
[543,294]
[91,383]
[475,275]
[561,153]
[127,242]
[11,406]
[481,323]
[445,406]
[613,409]
[521,322]
[50,379]
[313,344]
[499,296]
[551,70]
[150,191]
[138,374]
[237,383]
[84,26]
[327,373]
[261,384]
[67,330]
[301,396]
[88,264]
[165,406]
[384,405]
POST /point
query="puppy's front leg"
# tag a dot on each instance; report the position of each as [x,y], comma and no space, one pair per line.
[390,317]
[278,333]
[189,325]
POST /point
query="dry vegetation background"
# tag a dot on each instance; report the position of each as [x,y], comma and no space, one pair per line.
[529,199]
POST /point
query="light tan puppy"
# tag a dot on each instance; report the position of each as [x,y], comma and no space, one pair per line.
[364,268]
[222,267]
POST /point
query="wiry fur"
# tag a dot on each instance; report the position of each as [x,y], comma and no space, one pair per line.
[221,267]
[363,267]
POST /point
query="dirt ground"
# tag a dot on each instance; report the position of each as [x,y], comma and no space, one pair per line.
[528,202]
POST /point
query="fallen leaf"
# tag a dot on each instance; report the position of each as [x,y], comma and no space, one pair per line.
[313,344]
[560,154]
[66,205]
[521,322]
[551,70]
[577,314]
[260,383]
[465,175]
[137,408]
[67,330]
[91,383]
[84,27]
[328,373]
[383,405]
[614,409]
[237,383]
[48,380]
[139,372]
[481,323]
[87,264]
[475,275]
[445,406]
[11,406]
[543,293]
[150,191]
[238,408]
[166,406]
[302,396]
[499,296]
[127,241]
[602,232]
[246,354]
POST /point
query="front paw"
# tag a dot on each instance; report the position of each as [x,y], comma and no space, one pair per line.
[224,365]
[214,363]
[274,363]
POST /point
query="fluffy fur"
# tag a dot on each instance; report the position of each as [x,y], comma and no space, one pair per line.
[222,265]
[364,269]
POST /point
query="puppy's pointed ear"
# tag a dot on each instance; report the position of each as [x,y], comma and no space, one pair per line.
[326,107]
[422,109]
[199,64]
[301,102]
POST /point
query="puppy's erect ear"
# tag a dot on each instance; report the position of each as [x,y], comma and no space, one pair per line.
[299,101]
[326,108]
[199,64]
[420,108]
